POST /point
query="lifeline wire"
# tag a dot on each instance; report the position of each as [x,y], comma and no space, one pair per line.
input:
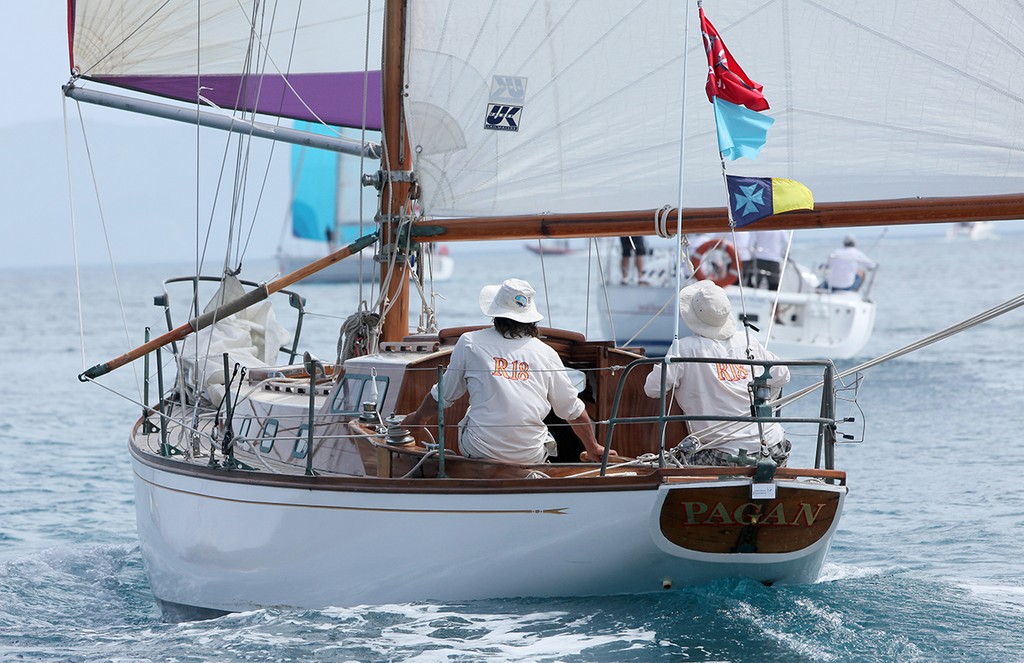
[952,330]
[106,239]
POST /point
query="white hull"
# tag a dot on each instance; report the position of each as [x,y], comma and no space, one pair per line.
[972,230]
[235,544]
[816,324]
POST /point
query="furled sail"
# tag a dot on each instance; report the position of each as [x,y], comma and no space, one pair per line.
[561,106]
[301,59]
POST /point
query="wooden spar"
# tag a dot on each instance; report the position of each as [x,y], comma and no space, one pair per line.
[713,219]
[397,160]
[230,308]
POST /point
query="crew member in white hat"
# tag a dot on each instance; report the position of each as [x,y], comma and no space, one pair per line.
[514,380]
[707,389]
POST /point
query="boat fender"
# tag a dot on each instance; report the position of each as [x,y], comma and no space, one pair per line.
[720,277]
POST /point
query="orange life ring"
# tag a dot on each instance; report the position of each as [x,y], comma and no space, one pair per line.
[721,274]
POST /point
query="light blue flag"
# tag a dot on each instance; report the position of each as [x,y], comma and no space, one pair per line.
[741,131]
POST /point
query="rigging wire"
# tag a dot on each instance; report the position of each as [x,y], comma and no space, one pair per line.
[544,277]
[778,290]
[682,160]
[362,135]
[604,286]
[590,283]
[74,231]
[106,238]
[951,330]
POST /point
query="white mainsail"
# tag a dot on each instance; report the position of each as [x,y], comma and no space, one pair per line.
[872,100]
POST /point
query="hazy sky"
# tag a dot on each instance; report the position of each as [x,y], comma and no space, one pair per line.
[144,168]
[33,44]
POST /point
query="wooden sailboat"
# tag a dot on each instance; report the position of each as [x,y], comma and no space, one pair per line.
[291,484]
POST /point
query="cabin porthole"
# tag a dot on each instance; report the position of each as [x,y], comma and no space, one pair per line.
[269,432]
[301,442]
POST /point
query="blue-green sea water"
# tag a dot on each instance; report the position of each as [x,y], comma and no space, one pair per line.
[928,563]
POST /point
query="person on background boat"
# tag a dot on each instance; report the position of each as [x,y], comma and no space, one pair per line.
[514,379]
[635,248]
[845,267]
[768,248]
[744,251]
[708,389]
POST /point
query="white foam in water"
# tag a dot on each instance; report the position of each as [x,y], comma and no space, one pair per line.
[803,644]
[834,572]
[1005,595]
[437,632]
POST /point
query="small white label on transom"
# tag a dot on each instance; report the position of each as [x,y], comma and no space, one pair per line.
[762,491]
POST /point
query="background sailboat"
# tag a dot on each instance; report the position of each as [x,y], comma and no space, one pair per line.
[799,320]
[326,208]
[971,230]
[551,248]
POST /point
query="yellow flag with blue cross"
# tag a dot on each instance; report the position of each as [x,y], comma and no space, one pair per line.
[754,198]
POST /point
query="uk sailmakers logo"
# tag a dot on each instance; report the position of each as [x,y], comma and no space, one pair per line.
[505,104]
[503,118]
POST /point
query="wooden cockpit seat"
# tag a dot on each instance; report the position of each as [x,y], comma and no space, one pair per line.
[601,363]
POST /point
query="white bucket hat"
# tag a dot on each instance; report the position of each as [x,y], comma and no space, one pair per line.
[513,299]
[706,310]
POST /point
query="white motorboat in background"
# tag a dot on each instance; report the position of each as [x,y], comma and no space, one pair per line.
[801,320]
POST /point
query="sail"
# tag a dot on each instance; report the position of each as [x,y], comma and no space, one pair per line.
[325,190]
[314,190]
[302,59]
[558,106]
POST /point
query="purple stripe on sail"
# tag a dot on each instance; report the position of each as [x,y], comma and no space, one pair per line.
[333,98]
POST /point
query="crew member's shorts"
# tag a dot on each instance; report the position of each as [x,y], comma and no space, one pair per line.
[633,246]
[718,458]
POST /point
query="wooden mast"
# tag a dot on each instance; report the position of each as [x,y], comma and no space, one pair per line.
[396,160]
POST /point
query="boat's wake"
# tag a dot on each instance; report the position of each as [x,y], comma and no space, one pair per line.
[100,595]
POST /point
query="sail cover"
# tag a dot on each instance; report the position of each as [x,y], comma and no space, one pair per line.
[301,59]
[566,106]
